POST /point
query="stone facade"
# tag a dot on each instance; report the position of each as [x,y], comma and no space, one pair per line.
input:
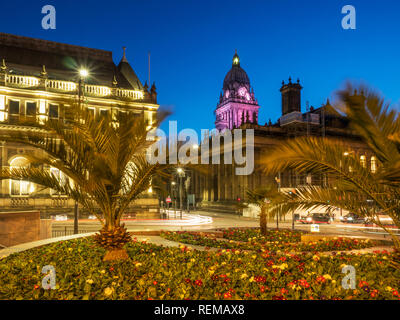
[220,188]
[19,227]
[41,79]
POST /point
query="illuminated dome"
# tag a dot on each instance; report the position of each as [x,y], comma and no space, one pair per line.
[236,75]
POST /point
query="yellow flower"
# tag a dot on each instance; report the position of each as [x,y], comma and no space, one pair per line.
[251,279]
[327,277]
[192,260]
[283,266]
[315,258]
[334,281]
[103,271]
[254,256]
[108,291]
[243,276]
[90,281]
[384,257]
[389,289]
[138,264]
[153,254]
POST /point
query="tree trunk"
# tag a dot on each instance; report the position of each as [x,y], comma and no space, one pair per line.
[263,221]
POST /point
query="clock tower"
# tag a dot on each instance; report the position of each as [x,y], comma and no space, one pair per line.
[237,104]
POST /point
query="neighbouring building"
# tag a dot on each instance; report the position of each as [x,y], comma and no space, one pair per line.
[220,188]
[40,79]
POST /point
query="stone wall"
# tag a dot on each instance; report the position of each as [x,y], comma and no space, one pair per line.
[19,227]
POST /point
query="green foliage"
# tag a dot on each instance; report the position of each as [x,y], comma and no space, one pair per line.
[350,182]
[156,272]
[103,160]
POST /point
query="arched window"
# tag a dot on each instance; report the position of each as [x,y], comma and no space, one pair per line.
[60,177]
[20,187]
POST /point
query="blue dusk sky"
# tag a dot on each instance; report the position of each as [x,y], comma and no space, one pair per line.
[192,43]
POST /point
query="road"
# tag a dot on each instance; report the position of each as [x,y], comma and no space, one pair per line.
[201,221]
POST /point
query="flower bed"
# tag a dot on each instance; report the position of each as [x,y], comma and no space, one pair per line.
[254,233]
[156,272]
[283,240]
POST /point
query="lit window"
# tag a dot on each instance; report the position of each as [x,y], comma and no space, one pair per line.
[31,108]
[373,164]
[13,108]
[363,161]
[20,187]
[103,112]
[53,111]
[60,177]
[91,111]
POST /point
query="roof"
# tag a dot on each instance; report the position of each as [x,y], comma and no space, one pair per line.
[236,74]
[24,55]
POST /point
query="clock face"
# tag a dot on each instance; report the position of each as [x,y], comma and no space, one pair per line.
[242,92]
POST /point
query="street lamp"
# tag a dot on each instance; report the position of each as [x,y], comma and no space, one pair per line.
[83,73]
[173,184]
[181,174]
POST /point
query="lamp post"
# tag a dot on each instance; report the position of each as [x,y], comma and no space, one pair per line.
[173,184]
[181,174]
[278,180]
[83,73]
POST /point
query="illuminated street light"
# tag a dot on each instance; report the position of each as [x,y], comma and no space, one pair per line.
[83,73]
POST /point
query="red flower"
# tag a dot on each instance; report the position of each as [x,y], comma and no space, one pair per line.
[36,286]
[198,283]
[155,282]
[227,295]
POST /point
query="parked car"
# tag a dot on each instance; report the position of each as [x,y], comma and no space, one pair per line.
[353,218]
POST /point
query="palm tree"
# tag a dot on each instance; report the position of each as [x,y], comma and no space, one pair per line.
[351,185]
[103,162]
[270,201]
